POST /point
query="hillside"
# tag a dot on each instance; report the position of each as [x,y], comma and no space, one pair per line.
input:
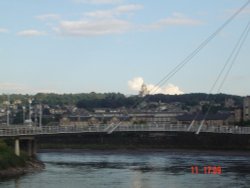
[117,100]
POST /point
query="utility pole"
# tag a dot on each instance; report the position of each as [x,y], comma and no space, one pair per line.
[35,111]
[40,115]
[23,114]
[8,110]
[30,121]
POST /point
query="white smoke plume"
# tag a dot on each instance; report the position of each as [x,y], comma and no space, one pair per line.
[171,89]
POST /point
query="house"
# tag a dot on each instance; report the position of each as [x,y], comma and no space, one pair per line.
[210,119]
[101,110]
[124,118]
[93,119]
[238,115]
[155,117]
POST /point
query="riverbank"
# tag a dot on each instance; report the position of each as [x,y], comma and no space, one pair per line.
[12,165]
[32,165]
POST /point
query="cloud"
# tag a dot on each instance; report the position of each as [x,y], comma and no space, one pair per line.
[45,17]
[93,27]
[170,89]
[107,22]
[23,89]
[129,7]
[174,20]
[3,30]
[136,83]
[31,33]
[114,12]
[97,2]
[100,22]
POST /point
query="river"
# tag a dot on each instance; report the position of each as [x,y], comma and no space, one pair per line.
[137,169]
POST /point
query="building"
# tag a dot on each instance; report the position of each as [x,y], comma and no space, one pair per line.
[160,118]
[155,117]
[238,115]
[2,117]
[210,119]
[94,119]
[246,109]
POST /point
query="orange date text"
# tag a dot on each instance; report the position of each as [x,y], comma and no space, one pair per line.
[206,170]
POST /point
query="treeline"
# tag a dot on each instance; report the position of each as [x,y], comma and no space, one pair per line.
[88,100]
[195,98]
[82,100]
[110,100]
[117,100]
[53,99]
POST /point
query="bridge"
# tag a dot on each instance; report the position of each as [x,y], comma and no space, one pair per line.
[27,134]
[17,131]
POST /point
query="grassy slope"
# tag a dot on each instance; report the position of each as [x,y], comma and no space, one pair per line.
[8,158]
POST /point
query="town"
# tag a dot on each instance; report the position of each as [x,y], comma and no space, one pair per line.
[112,108]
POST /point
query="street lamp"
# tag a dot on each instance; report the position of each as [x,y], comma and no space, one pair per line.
[30,121]
[24,114]
[8,111]
[40,115]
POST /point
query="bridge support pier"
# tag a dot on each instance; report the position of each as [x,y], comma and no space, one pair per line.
[17,147]
[31,147]
[27,144]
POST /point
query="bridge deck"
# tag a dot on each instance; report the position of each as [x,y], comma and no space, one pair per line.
[15,131]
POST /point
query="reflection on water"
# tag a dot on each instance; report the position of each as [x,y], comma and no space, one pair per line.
[132,169]
[17,183]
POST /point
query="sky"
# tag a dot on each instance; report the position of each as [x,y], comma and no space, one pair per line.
[82,46]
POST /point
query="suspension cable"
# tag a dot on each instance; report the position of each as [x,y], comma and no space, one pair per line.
[198,49]
[192,54]
[232,57]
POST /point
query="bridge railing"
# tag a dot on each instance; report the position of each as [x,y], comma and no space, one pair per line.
[25,131]
[225,129]
[21,130]
[152,127]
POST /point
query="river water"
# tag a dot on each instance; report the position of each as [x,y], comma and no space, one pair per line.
[138,169]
